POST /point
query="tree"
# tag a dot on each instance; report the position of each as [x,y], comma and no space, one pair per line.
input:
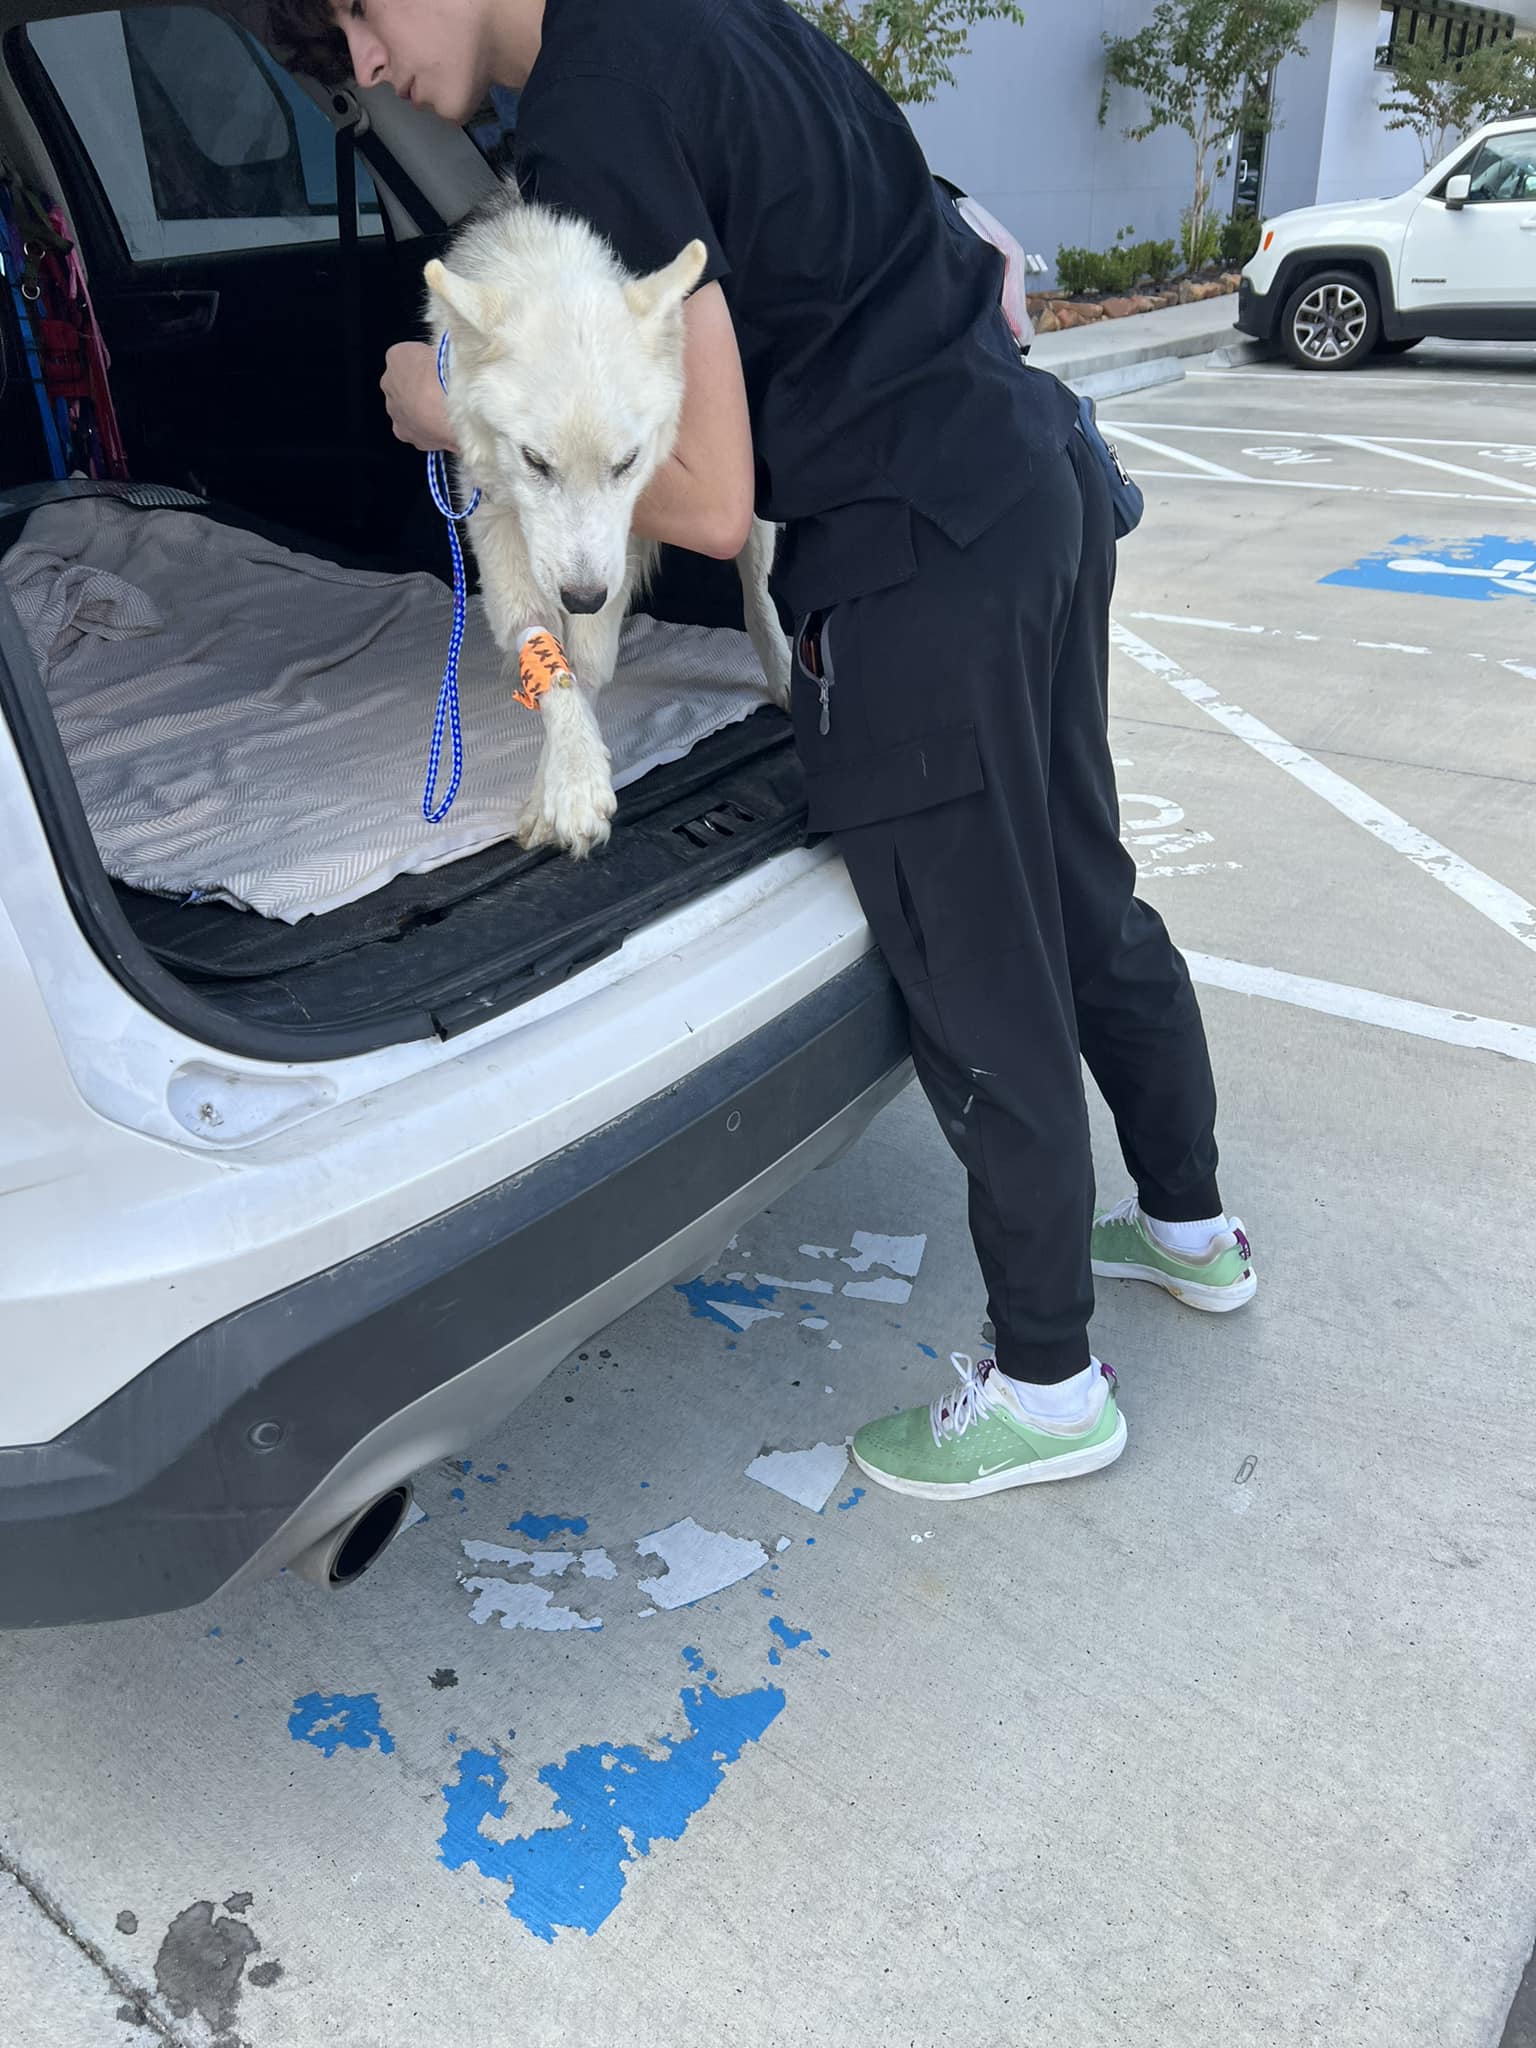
[907,46]
[1439,97]
[1200,65]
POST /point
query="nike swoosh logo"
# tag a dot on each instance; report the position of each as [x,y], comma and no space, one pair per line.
[986,1471]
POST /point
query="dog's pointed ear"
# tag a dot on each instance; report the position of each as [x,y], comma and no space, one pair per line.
[668,287]
[477,305]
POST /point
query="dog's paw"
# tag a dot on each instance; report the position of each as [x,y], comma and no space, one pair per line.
[572,808]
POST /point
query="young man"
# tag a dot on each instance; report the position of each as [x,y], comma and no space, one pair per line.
[948,555]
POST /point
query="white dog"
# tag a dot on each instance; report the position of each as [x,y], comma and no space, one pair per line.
[565,386]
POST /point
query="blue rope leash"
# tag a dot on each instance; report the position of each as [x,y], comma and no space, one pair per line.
[447,713]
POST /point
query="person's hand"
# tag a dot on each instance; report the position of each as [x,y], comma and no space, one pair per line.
[417,408]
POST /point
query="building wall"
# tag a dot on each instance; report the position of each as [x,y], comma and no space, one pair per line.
[1020,129]
[1361,158]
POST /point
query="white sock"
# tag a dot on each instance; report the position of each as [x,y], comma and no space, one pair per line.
[1185,1237]
[1066,1401]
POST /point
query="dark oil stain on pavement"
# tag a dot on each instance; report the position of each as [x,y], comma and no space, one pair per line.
[442,1678]
[202,1964]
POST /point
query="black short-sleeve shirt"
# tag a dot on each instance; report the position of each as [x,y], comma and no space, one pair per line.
[879,370]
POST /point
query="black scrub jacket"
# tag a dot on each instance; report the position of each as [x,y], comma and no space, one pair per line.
[880,374]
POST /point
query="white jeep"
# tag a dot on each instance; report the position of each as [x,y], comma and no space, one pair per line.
[1455,255]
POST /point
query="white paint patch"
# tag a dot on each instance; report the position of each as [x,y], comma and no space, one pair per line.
[809,1478]
[818,1251]
[794,1286]
[834,1345]
[521,1605]
[1501,905]
[1365,1006]
[546,1564]
[782,1544]
[418,1514]
[645,1613]
[883,1289]
[814,1323]
[597,1564]
[742,1316]
[901,1254]
[1162,870]
[698,1561]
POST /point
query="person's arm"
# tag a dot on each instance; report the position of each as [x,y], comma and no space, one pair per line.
[701,497]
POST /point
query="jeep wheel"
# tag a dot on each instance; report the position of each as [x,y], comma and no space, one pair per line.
[1330,321]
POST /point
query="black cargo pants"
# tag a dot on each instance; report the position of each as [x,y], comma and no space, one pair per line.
[956,747]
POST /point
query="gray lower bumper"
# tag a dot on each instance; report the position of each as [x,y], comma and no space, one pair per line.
[245,1443]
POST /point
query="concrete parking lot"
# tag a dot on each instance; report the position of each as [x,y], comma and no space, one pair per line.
[658,1728]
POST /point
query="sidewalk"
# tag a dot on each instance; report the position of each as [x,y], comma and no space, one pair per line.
[1111,356]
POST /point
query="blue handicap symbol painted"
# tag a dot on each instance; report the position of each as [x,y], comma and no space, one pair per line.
[1489,566]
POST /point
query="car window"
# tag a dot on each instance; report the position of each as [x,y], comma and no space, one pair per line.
[1505,167]
[203,145]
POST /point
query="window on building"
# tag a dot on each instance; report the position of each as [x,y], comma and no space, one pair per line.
[1453,29]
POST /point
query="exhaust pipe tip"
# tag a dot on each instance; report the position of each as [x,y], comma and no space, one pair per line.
[341,1557]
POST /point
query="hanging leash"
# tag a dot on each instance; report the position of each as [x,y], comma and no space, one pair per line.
[542,662]
[448,690]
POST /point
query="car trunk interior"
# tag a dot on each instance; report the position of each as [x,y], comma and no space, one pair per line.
[246,331]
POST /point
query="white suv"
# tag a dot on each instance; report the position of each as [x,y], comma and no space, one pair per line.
[292,1210]
[1455,255]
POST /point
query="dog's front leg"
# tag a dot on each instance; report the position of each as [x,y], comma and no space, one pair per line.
[572,802]
[753,565]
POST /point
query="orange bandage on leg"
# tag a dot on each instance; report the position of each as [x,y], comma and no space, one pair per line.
[541,667]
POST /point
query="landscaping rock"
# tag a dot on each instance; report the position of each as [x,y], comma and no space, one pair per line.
[1122,309]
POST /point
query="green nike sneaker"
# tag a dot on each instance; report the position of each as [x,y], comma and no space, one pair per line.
[980,1440]
[1219,1279]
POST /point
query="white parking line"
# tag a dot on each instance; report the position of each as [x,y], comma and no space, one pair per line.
[1232,476]
[1515,668]
[1366,1006]
[1481,476]
[1499,904]
[1513,449]
[1296,483]
[1520,378]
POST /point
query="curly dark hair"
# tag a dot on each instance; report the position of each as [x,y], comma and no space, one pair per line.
[303,35]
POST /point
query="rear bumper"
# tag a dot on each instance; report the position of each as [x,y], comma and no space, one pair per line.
[175,1487]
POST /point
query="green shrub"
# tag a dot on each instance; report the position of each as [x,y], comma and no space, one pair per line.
[1077,270]
[1152,260]
[1198,245]
[1116,270]
[1239,241]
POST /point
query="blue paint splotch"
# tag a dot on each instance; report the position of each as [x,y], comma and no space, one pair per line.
[614,1801]
[701,1296]
[791,1638]
[1488,566]
[539,1528]
[852,1501]
[927,1350]
[692,1658]
[340,1720]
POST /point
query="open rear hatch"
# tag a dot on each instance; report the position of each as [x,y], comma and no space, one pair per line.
[428,953]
